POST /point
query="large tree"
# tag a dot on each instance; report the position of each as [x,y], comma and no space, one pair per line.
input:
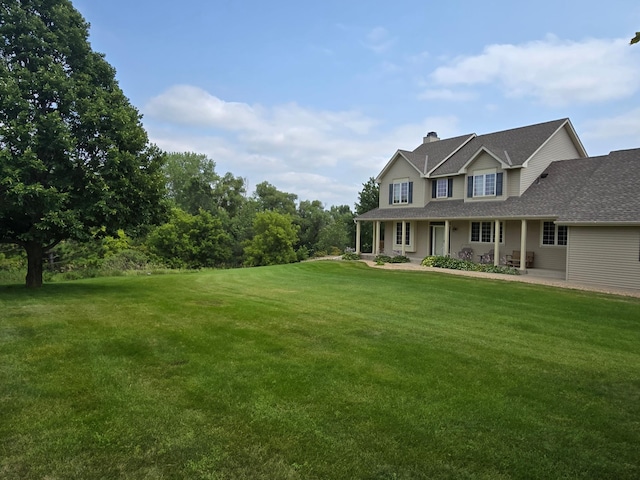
[368,199]
[74,158]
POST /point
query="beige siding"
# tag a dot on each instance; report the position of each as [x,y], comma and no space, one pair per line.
[484,161]
[512,179]
[458,190]
[399,170]
[559,147]
[606,256]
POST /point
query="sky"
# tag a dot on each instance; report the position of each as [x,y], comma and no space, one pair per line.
[316,97]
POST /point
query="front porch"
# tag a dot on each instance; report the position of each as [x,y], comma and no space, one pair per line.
[494,241]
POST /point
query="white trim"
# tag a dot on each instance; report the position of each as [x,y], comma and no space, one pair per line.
[471,137]
[474,157]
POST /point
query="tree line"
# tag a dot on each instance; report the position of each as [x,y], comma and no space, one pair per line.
[82,188]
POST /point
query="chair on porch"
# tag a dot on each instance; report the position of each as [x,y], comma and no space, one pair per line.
[514,260]
[466,254]
[487,257]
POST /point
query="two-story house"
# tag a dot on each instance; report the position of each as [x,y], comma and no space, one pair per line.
[530,189]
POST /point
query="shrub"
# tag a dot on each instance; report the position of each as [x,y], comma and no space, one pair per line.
[350,256]
[400,259]
[456,264]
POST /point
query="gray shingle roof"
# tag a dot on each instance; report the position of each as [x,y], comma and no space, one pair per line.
[586,190]
[612,193]
[519,143]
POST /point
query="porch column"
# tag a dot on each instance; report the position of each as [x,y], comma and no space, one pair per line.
[496,243]
[447,225]
[357,237]
[404,235]
[523,245]
[376,238]
[429,251]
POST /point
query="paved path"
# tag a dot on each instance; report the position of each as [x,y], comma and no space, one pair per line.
[498,276]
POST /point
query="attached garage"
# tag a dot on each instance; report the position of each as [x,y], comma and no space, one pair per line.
[608,256]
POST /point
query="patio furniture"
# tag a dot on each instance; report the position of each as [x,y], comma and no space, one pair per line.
[513,260]
[466,254]
[487,257]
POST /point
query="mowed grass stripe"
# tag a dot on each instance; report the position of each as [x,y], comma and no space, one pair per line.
[317,370]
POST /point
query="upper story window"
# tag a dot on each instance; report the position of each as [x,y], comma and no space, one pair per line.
[401,192]
[484,183]
[553,234]
[442,188]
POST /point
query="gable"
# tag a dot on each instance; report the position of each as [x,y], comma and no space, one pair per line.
[511,147]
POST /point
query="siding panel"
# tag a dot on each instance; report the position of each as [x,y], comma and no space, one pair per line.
[402,169]
[559,147]
[605,256]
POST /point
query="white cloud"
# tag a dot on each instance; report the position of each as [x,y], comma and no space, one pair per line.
[378,40]
[554,71]
[625,125]
[318,155]
[190,105]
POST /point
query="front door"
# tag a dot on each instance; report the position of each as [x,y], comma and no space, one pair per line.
[437,237]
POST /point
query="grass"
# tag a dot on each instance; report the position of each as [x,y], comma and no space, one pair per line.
[320,370]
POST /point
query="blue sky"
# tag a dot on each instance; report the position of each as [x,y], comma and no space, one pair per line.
[315,97]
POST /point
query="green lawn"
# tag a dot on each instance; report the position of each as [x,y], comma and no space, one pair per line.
[320,370]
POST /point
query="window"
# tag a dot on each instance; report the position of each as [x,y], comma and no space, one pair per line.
[553,234]
[485,183]
[485,232]
[442,189]
[408,236]
[401,191]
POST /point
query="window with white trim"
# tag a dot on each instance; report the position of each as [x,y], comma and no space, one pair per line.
[408,235]
[484,183]
[553,234]
[484,232]
[442,188]
[400,189]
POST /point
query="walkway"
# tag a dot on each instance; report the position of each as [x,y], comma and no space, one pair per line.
[528,278]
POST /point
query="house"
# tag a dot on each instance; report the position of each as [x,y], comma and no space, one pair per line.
[530,189]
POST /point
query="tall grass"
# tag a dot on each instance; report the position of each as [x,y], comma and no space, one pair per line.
[317,370]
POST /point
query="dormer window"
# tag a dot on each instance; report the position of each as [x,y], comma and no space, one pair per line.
[484,183]
[442,188]
[401,192]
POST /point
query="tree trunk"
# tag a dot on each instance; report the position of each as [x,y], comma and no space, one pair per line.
[34,262]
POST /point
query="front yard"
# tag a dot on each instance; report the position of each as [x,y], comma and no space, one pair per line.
[317,370]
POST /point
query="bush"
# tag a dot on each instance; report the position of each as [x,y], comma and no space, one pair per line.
[126,260]
[350,256]
[400,259]
[456,264]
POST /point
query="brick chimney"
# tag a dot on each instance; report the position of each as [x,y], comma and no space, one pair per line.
[431,137]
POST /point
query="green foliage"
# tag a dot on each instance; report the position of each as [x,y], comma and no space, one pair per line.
[369,196]
[73,153]
[351,256]
[127,260]
[191,241]
[273,242]
[339,233]
[311,218]
[269,198]
[381,259]
[457,264]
